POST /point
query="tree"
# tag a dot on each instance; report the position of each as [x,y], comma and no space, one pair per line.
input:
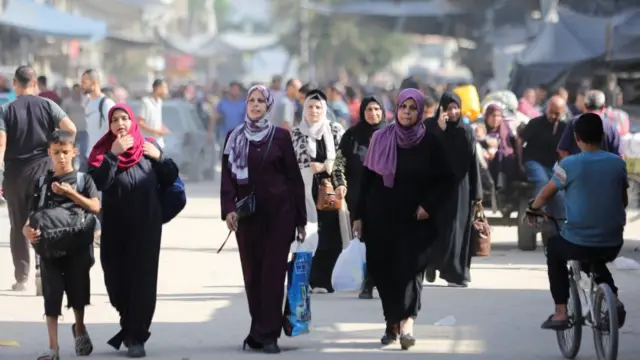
[347,42]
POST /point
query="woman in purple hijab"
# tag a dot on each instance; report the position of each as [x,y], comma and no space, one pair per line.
[404,181]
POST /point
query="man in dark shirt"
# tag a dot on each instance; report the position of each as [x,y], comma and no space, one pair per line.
[594,102]
[45,92]
[537,145]
[25,126]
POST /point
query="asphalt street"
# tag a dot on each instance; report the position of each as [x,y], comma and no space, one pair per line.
[202,311]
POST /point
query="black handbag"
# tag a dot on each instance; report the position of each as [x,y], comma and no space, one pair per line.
[246,206]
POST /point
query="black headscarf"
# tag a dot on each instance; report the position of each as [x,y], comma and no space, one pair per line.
[447,99]
[363,130]
[458,138]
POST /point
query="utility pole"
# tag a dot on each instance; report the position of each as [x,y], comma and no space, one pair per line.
[305,58]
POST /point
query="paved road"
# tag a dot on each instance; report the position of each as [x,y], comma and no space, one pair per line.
[202,312]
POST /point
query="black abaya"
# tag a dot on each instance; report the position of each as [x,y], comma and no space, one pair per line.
[396,241]
[130,240]
[451,252]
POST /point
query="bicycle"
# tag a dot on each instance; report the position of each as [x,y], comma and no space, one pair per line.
[594,296]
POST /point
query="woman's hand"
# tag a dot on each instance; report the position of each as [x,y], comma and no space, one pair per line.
[421,213]
[33,235]
[442,118]
[302,234]
[317,167]
[356,228]
[150,150]
[232,221]
[492,143]
[122,144]
[341,191]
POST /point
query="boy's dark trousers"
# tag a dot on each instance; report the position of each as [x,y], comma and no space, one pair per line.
[18,186]
[68,274]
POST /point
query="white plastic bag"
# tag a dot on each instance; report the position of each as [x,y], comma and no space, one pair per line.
[348,274]
[310,243]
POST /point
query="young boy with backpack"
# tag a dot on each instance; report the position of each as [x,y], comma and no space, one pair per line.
[65,264]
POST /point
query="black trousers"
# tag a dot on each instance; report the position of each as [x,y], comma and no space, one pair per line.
[559,251]
[66,275]
[18,186]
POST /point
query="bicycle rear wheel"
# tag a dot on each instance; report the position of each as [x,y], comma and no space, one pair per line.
[569,340]
[605,326]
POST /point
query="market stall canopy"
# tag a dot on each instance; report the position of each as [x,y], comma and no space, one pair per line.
[625,36]
[45,20]
[411,8]
[123,13]
[219,44]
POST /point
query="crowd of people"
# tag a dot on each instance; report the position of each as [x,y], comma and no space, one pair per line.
[410,172]
[411,187]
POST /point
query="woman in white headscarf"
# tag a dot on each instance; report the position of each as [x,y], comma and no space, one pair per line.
[316,142]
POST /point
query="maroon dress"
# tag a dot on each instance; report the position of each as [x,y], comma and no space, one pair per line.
[264,238]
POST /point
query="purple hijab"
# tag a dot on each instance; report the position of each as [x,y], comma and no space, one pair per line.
[382,157]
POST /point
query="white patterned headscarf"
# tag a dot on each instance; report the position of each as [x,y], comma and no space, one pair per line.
[319,130]
[249,131]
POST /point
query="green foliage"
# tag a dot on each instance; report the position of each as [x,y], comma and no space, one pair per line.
[346,41]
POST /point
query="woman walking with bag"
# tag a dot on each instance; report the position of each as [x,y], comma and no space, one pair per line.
[404,183]
[262,200]
[128,170]
[316,141]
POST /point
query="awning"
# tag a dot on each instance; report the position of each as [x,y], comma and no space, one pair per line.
[43,19]
[433,8]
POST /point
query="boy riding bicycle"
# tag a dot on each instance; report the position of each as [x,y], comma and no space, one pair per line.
[595,191]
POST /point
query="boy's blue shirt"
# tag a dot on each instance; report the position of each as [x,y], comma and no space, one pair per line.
[593,183]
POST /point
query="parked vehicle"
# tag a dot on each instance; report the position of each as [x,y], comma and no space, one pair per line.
[186,143]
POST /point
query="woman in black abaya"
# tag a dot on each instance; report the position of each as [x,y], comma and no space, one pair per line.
[451,252]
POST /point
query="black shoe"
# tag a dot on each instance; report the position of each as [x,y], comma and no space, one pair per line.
[622,314]
[430,275]
[366,294]
[252,343]
[136,351]
[390,335]
[271,348]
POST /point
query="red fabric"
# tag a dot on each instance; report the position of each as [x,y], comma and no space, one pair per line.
[128,158]
[51,95]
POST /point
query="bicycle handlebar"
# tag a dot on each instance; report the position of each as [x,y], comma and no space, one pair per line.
[542,214]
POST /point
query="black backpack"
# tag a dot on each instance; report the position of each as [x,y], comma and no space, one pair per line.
[63,228]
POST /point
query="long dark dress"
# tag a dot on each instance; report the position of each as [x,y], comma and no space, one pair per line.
[329,237]
[130,241]
[397,242]
[353,148]
[264,239]
[451,253]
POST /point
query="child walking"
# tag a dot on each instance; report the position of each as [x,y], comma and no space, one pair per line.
[68,273]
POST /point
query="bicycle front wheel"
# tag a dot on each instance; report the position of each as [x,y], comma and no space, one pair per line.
[605,327]
[569,340]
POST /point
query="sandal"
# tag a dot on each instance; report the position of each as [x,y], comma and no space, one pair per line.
[49,355]
[556,325]
[407,341]
[84,346]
